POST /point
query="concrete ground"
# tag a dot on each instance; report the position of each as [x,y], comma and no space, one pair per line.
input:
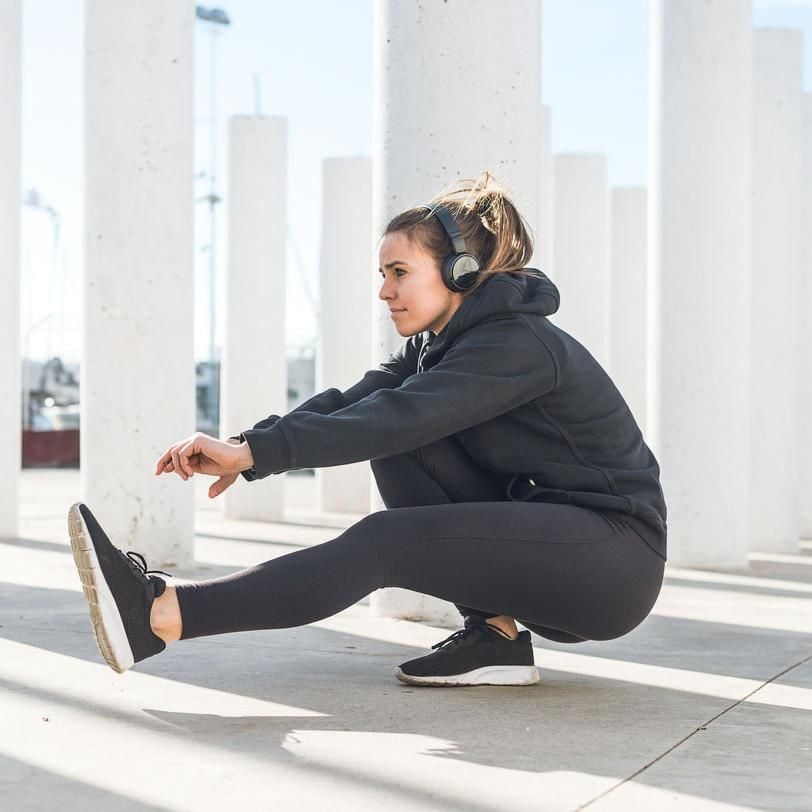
[705,706]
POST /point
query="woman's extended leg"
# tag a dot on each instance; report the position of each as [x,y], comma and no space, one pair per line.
[568,569]
[437,474]
[562,567]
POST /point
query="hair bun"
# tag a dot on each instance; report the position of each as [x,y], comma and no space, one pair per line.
[489,205]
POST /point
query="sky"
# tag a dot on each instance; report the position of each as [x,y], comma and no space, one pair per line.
[310,61]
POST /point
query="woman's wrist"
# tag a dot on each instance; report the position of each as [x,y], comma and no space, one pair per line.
[245,459]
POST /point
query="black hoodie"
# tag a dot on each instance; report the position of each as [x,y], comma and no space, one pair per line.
[526,400]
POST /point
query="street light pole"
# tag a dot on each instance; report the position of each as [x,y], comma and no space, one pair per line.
[213,198]
[214,20]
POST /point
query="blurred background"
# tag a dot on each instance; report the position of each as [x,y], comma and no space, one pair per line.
[311,62]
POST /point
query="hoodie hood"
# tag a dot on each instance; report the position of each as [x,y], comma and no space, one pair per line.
[502,294]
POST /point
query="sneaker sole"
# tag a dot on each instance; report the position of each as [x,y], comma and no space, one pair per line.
[108,627]
[488,675]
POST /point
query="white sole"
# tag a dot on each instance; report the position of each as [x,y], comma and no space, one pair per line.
[108,628]
[488,675]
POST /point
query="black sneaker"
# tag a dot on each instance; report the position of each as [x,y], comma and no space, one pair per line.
[475,655]
[119,593]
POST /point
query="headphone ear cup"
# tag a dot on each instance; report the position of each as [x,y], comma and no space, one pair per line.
[460,272]
[448,273]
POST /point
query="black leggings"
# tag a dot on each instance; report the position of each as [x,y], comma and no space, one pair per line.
[568,573]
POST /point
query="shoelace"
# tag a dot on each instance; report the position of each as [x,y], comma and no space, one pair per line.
[142,563]
[460,633]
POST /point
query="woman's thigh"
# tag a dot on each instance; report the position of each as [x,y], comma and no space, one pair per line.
[556,566]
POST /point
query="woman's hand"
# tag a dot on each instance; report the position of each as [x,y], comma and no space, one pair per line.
[225,481]
[201,454]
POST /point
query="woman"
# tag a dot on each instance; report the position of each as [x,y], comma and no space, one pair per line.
[516,480]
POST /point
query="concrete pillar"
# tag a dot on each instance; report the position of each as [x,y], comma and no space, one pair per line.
[138,384]
[475,108]
[255,298]
[345,324]
[775,423]
[10,193]
[629,284]
[699,274]
[544,239]
[806,327]
[582,251]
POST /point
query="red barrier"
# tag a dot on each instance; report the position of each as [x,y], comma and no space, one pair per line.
[51,449]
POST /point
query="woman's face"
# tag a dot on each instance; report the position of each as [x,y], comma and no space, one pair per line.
[413,287]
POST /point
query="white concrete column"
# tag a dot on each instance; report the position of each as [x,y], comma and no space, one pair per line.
[345,324]
[806,326]
[544,238]
[254,376]
[699,274]
[581,245]
[775,423]
[137,376]
[473,109]
[10,194]
[629,284]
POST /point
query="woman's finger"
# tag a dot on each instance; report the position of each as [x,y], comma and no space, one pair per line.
[168,461]
[177,463]
[186,451]
[222,483]
[163,461]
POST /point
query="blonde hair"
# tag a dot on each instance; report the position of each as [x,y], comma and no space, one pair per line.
[492,227]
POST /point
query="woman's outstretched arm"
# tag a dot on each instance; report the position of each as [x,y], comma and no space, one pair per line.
[390,374]
[226,460]
[489,370]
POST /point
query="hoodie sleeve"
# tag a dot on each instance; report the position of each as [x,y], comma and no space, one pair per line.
[390,374]
[491,369]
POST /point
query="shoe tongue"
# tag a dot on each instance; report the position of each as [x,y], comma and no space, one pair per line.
[158,584]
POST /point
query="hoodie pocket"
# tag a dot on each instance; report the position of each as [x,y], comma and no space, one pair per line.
[523,489]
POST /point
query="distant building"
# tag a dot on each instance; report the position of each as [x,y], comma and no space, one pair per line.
[51,404]
[301,385]
[50,395]
[50,414]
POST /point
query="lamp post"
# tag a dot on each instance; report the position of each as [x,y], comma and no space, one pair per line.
[214,21]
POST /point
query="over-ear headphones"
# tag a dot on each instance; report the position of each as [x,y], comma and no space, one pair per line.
[460,269]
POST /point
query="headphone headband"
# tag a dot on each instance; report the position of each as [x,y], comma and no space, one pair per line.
[450,226]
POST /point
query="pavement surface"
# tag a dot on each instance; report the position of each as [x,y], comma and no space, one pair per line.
[707,705]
